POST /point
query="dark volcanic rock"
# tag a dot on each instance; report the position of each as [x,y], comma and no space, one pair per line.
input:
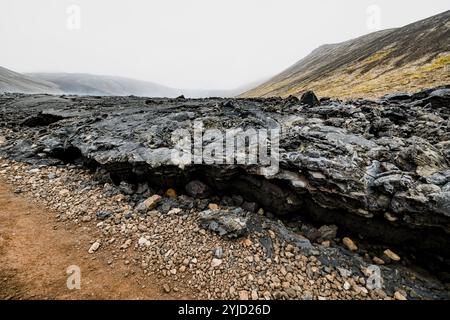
[328,232]
[102,215]
[198,189]
[250,206]
[378,168]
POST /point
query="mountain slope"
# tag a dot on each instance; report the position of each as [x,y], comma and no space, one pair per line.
[401,59]
[11,81]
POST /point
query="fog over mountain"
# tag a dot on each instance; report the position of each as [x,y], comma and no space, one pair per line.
[88,84]
[187,44]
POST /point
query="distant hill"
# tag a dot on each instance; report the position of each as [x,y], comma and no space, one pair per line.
[402,59]
[88,84]
[11,81]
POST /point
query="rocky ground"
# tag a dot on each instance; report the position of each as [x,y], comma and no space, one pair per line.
[169,241]
[350,173]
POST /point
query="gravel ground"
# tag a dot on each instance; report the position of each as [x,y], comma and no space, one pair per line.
[174,248]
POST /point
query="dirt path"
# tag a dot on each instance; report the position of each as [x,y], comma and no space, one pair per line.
[35,252]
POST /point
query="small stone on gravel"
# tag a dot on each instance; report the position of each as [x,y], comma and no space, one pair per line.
[94,247]
[349,244]
[391,255]
[378,260]
[216,262]
[399,296]
[243,295]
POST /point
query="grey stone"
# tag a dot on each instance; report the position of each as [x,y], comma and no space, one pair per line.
[230,224]
[102,215]
[218,252]
[328,232]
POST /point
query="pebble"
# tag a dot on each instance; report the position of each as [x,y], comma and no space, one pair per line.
[326,243]
[345,273]
[216,262]
[399,296]
[166,288]
[289,248]
[218,252]
[52,176]
[390,217]
[246,242]
[349,244]
[94,247]
[213,206]
[151,202]
[243,295]
[144,242]
[171,193]
[346,285]
[102,215]
[378,260]
[64,192]
[391,255]
[174,211]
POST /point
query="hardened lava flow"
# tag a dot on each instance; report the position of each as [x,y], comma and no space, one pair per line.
[379,169]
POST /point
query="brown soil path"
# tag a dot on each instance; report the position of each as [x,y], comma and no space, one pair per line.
[36,250]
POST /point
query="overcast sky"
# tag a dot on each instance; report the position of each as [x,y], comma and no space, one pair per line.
[187,43]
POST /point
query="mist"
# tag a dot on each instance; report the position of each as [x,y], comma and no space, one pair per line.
[196,44]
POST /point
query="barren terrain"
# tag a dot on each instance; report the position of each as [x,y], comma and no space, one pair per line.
[362,186]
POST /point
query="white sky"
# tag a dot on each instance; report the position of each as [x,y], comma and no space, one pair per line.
[202,44]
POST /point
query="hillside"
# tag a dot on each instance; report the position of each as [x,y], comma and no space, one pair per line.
[11,81]
[402,59]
